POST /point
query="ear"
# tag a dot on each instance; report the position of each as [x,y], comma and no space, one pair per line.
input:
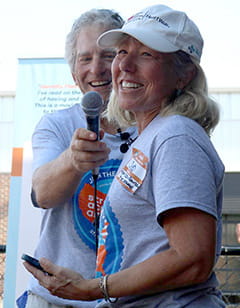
[187,77]
[75,79]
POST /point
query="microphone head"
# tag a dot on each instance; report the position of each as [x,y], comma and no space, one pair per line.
[92,103]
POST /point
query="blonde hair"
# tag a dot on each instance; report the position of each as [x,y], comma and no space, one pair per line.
[193,101]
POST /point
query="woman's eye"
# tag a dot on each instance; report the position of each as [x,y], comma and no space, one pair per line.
[147,54]
[121,51]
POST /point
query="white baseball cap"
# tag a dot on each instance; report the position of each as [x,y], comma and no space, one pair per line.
[160,28]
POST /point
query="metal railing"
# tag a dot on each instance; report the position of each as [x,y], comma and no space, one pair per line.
[2,266]
[228,273]
[227,270]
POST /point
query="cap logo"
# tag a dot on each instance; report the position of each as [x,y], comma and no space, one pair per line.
[193,49]
[147,15]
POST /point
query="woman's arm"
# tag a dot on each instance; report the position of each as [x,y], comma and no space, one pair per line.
[188,261]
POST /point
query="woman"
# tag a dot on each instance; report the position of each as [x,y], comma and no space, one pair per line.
[160,227]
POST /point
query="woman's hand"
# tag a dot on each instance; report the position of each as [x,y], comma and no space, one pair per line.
[64,282]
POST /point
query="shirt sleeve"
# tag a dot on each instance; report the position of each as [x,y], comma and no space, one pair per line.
[183,176]
[47,141]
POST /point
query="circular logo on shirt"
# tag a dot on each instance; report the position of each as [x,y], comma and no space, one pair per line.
[83,200]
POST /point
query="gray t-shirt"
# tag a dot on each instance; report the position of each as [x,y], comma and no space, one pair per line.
[172,164]
[67,234]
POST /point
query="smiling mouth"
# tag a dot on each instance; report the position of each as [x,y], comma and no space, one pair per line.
[130,85]
[96,84]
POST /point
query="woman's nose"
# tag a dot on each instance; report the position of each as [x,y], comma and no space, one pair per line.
[127,64]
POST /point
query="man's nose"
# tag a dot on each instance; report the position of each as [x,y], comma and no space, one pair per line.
[98,66]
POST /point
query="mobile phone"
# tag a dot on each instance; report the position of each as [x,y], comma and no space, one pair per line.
[34,262]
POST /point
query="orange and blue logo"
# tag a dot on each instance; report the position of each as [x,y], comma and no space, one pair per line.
[110,246]
[83,200]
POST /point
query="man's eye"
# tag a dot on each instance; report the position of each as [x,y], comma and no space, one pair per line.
[109,56]
[85,59]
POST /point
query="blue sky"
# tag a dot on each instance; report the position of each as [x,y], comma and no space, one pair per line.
[30,28]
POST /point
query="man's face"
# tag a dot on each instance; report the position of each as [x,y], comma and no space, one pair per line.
[92,70]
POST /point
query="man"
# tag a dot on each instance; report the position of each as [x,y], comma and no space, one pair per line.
[64,155]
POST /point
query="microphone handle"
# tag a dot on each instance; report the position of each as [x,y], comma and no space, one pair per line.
[93,123]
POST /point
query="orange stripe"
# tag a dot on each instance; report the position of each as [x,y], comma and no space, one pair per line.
[17,161]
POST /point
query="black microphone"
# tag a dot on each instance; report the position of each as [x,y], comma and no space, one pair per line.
[123,136]
[125,146]
[128,141]
[92,103]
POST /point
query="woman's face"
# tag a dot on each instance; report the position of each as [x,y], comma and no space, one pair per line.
[142,78]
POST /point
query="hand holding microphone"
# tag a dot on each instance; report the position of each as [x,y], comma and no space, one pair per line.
[86,151]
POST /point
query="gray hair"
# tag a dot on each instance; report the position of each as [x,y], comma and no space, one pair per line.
[95,17]
[193,101]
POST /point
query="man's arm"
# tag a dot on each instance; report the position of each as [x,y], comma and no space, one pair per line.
[55,182]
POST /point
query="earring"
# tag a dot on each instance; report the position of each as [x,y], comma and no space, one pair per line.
[178,92]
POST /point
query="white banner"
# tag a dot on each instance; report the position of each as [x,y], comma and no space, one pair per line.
[43,85]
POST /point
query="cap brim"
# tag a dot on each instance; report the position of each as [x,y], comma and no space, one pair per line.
[113,37]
